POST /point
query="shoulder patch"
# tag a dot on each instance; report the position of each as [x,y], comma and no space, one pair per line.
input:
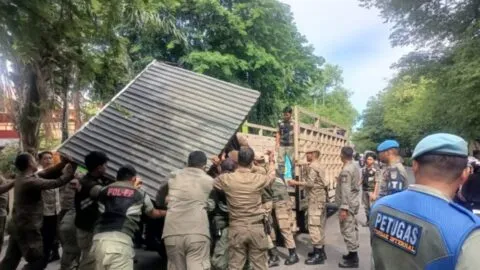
[397,232]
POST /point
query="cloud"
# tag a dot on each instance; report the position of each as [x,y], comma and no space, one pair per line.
[352,37]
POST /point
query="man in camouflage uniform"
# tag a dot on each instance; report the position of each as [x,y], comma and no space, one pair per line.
[347,198]
[284,139]
[282,207]
[247,232]
[25,227]
[394,177]
[316,186]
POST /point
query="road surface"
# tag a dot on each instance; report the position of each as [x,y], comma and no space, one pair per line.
[335,248]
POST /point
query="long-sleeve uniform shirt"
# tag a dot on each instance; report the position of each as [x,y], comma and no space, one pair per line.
[244,194]
[347,194]
[28,205]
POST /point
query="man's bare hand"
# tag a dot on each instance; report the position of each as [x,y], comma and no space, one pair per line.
[216,160]
[372,196]
[271,155]
[138,183]
[343,215]
[68,170]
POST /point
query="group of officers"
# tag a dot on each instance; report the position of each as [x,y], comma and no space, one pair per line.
[223,220]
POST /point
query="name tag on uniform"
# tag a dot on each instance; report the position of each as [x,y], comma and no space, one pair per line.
[397,232]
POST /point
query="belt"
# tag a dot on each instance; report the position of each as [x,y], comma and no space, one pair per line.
[245,223]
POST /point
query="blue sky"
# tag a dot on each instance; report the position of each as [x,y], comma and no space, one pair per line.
[352,37]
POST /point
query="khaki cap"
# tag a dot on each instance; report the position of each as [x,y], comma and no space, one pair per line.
[259,157]
[312,150]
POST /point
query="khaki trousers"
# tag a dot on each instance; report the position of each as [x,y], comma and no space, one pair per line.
[247,240]
[112,250]
[190,252]
[349,230]
[317,220]
[84,241]
[283,213]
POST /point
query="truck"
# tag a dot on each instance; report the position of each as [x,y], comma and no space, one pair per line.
[311,130]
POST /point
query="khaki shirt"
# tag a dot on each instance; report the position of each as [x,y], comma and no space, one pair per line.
[316,183]
[188,193]
[347,194]
[244,194]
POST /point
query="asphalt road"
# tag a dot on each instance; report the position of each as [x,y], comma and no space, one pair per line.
[335,248]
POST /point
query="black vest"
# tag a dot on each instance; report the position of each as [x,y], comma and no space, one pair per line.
[86,208]
[120,207]
[286,133]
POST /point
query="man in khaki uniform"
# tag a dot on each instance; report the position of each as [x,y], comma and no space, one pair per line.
[316,186]
[243,189]
[186,232]
[267,201]
[347,198]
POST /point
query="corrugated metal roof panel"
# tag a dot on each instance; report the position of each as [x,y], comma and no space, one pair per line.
[159,118]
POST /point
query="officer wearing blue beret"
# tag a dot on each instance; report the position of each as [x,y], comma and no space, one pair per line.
[394,176]
[421,227]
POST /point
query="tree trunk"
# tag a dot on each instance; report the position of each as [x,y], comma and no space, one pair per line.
[31,112]
[77,96]
[65,115]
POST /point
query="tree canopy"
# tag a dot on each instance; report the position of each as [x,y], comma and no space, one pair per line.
[61,47]
[436,87]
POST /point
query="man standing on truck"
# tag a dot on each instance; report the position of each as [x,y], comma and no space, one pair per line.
[317,187]
[394,176]
[347,198]
[247,230]
[121,206]
[284,141]
[86,206]
[186,233]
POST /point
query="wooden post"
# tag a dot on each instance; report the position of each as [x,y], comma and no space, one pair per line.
[296,119]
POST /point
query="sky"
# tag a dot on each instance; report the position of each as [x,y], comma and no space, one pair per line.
[352,37]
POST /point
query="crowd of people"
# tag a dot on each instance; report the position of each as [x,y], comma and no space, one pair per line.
[225,219]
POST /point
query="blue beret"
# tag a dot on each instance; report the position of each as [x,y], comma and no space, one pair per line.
[388,144]
[441,143]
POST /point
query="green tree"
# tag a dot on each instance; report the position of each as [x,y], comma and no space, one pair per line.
[45,40]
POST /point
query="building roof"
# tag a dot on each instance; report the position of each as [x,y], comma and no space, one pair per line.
[159,118]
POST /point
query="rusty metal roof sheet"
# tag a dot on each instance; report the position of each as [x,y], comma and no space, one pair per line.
[159,118]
